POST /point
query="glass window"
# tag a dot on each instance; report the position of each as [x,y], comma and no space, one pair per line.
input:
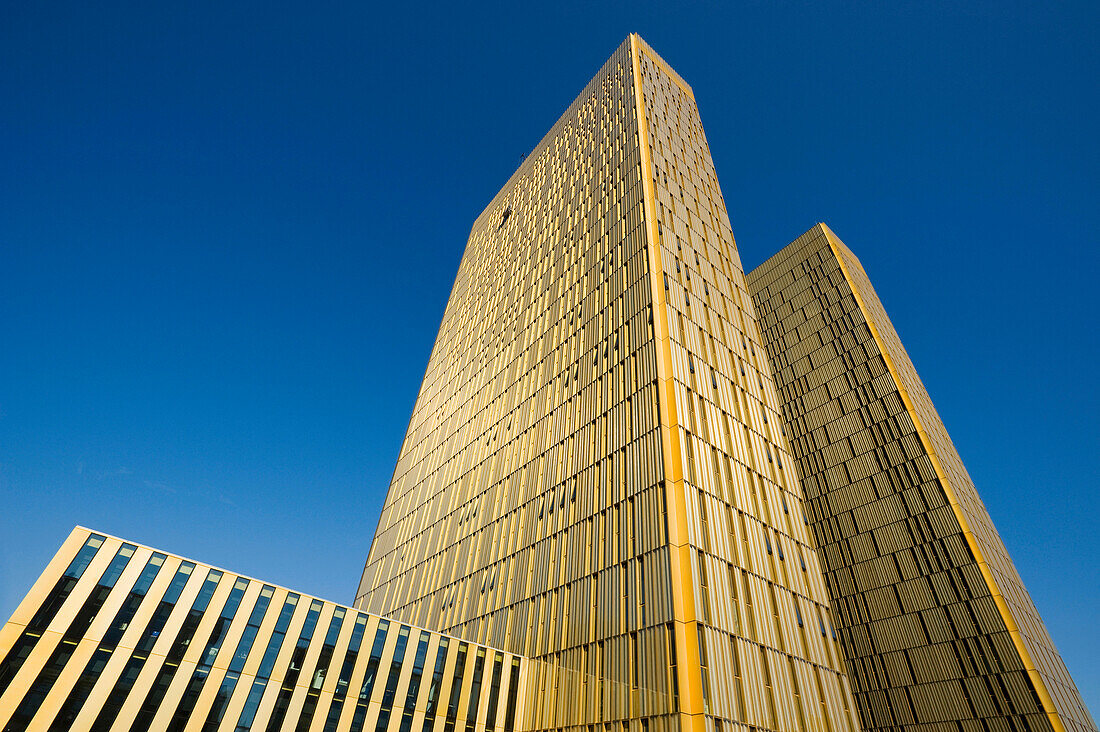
[251,704]
[276,641]
[434,686]
[475,690]
[456,687]
[313,696]
[391,682]
[149,638]
[368,679]
[494,692]
[63,720]
[179,646]
[47,610]
[209,654]
[513,692]
[282,702]
[344,679]
[42,684]
[244,646]
[414,683]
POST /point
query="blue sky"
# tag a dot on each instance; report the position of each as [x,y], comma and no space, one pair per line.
[228,231]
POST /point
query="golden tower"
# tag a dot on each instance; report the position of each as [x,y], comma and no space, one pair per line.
[594,475]
[938,631]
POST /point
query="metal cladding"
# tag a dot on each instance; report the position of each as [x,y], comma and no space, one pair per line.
[594,475]
[595,523]
[938,631]
[120,636]
[117,636]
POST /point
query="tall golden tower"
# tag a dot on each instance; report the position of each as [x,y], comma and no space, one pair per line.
[594,475]
[595,524]
[938,631]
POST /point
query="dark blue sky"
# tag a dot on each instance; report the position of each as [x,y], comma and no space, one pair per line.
[228,231]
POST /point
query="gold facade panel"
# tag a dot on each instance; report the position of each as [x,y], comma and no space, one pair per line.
[930,638]
[594,474]
[158,642]
[624,503]
[529,486]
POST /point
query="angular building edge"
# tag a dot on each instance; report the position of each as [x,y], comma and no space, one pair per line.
[772,646]
[683,599]
[100,646]
[82,642]
[842,253]
[876,320]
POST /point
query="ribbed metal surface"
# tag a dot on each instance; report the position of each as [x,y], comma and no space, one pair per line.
[116,636]
[939,633]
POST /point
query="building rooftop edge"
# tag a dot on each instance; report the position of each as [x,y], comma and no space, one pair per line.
[627,42]
[760,270]
[276,585]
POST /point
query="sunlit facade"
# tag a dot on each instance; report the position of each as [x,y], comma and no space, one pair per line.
[939,633]
[594,475]
[596,523]
[118,636]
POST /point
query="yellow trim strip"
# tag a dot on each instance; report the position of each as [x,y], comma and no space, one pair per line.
[643,47]
[683,610]
[952,498]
